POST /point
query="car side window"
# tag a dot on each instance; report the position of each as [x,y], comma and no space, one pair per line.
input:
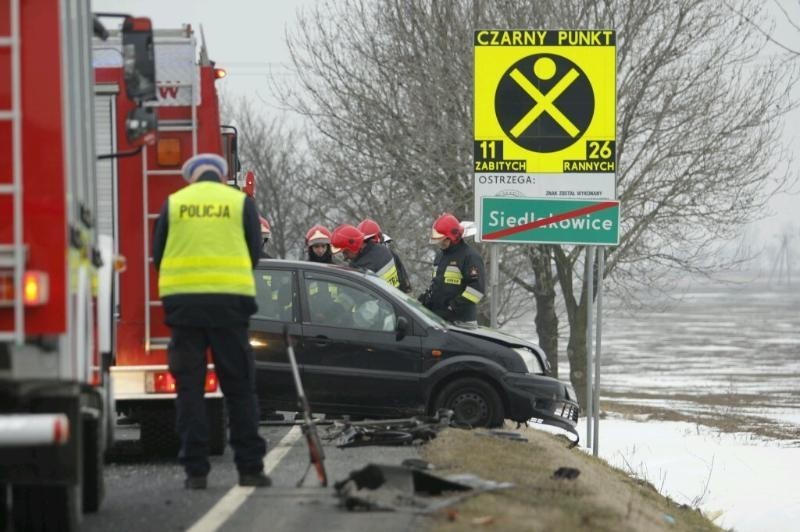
[341,305]
[274,294]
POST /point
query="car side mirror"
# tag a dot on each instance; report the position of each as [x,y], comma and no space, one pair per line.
[402,328]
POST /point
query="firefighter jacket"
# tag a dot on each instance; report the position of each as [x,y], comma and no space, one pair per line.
[403,281]
[458,283]
[205,244]
[326,258]
[377,258]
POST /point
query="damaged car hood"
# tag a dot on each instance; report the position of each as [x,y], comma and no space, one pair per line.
[496,336]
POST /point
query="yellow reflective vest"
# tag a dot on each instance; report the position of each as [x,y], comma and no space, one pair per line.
[206,251]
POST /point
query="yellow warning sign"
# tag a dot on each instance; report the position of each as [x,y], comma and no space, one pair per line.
[545,101]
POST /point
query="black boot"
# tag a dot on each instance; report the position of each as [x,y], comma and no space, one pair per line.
[256,480]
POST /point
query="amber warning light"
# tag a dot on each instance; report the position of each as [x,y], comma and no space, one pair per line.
[35,288]
[220,73]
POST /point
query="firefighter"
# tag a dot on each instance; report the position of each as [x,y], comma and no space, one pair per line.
[318,244]
[458,274]
[372,231]
[266,233]
[364,253]
[205,246]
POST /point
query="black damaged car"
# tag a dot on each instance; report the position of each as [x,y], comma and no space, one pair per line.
[367,349]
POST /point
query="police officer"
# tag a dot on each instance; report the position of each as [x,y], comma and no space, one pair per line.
[318,244]
[458,274]
[372,231]
[364,253]
[266,233]
[205,246]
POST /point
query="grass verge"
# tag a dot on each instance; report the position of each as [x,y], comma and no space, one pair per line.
[601,498]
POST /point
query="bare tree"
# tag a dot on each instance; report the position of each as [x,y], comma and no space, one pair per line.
[388,85]
[790,14]
[272,150]
[697,146]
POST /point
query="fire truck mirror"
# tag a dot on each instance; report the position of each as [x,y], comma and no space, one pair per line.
[230,145]
[138,59]
[140,126]
[237,164]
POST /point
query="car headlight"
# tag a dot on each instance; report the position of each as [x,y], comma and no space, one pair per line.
[530,359]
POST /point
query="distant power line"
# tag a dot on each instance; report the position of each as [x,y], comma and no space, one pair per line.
[282,64]
[782,264]
[260,74]
[258,68]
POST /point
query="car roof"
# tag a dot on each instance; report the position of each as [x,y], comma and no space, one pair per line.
[313,266]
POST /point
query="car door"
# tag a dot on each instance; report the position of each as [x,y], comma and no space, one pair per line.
[277,299]
[352,360]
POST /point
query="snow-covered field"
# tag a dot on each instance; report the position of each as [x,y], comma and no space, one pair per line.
[752,482]
[727,355]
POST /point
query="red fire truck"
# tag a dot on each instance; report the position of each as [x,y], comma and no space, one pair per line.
[55,266]
[131,196]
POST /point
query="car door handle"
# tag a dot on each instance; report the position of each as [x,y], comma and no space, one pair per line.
[321,341]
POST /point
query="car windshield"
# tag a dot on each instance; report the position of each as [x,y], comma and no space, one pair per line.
[415,306]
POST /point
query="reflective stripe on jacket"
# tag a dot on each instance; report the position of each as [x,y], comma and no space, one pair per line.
[206,251]
[377,258]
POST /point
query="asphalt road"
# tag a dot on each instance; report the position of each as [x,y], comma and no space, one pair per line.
[145,495]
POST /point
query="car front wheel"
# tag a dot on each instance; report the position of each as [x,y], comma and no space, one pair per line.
[474,402]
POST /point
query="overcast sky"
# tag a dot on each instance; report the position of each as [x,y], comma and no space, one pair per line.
[247,38]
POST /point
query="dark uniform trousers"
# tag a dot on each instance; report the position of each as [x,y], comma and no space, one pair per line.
[233,360]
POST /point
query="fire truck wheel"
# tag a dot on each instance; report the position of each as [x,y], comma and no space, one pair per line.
[217,426]
[93,484]
[157,423]
[43,508]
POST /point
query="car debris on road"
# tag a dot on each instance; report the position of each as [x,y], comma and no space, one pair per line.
[401,488]
[405,431]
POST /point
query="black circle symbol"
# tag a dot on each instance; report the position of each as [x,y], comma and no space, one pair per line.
[544,103]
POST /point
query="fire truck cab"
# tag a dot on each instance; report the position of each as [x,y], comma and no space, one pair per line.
[55,263]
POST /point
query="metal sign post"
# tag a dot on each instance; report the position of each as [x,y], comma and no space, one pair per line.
[589,269]
[544,149]
[601,253]
[494,283]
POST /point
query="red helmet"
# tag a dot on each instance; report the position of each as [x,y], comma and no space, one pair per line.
[346,237]
[318,235]
[446,226]
[265,229]
[371,229]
